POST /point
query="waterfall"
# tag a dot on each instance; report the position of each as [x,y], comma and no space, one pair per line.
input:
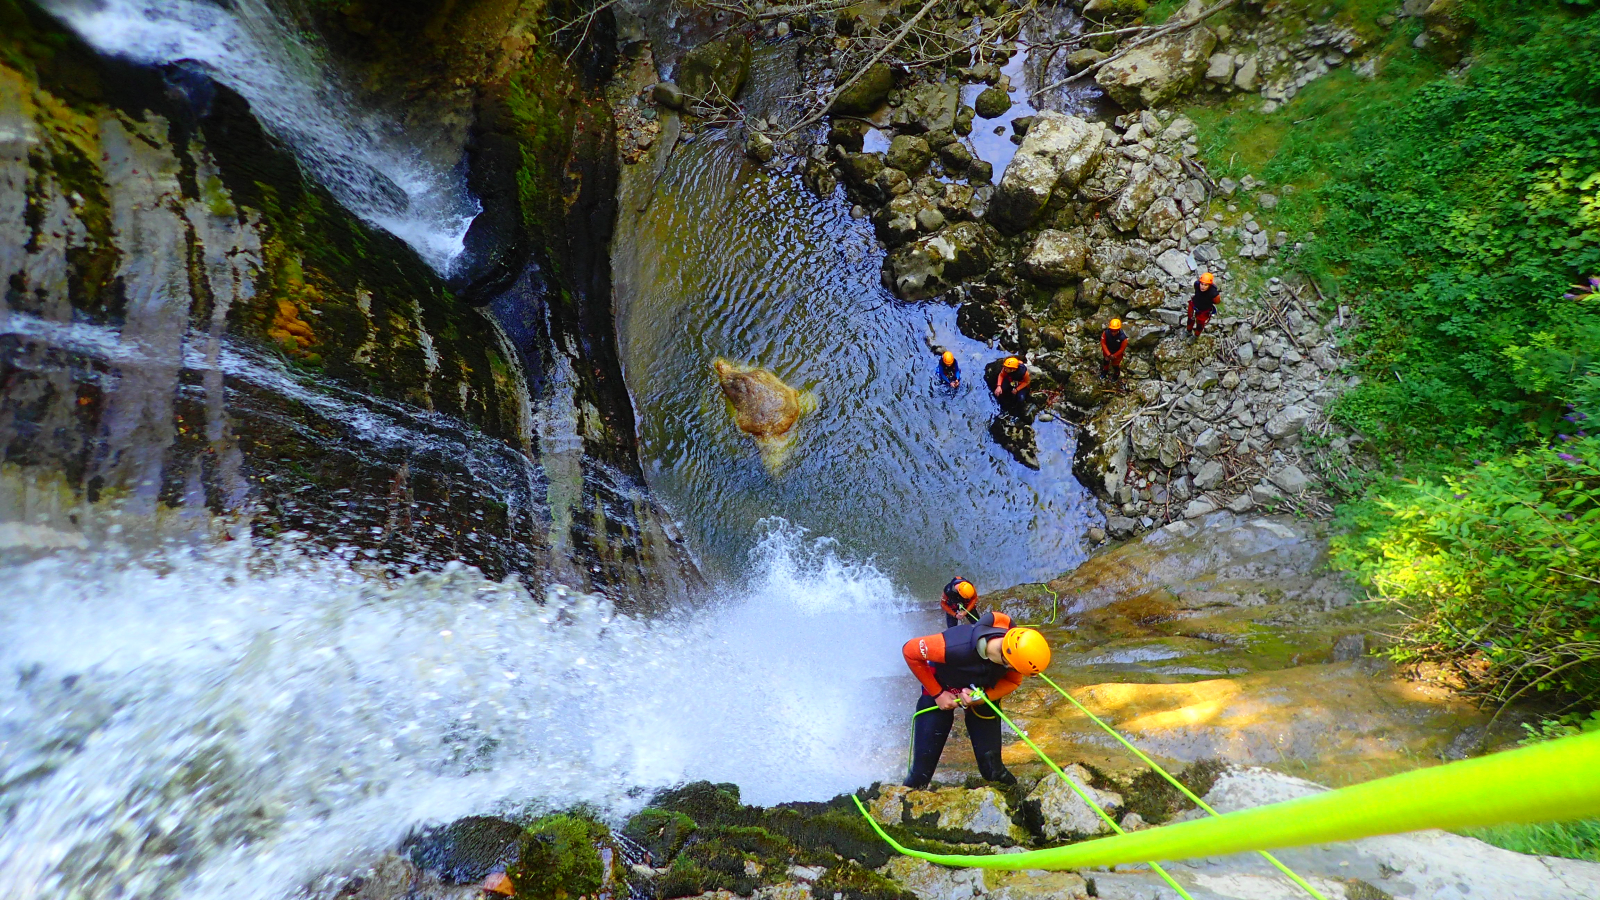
[360,156]
[235,722]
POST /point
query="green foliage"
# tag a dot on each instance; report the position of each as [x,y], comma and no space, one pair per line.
[1499,563]
[560,858]
[1572,840]
[1457,217]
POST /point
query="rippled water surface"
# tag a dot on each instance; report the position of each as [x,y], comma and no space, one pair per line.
[732,261]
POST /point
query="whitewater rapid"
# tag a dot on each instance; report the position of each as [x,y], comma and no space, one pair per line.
[361,156]
[243,722]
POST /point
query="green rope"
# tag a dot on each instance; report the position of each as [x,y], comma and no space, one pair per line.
[1177,784]
[1076,789]
[1545,782]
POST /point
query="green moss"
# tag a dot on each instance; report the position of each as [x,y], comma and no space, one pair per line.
[560,858]
[215,196]
[1157,801]
[662,832]
[858,883]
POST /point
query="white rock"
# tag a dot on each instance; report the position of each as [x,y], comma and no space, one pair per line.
[1064,812]
[1175,263]
[1287,421]
[1219,69]
[1058,151]
[1290,479]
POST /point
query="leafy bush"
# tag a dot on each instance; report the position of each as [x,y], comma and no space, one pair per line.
[1456,219]
[1500,565]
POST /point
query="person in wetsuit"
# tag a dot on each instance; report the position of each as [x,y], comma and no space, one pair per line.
[1113,344]
[960,602]
[989,654]
[1203,304]
[1011,387]
[948,373]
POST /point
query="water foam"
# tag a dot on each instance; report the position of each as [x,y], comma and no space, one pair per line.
[362,158]
[236,722]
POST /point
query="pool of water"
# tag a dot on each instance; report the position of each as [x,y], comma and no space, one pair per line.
[732,261]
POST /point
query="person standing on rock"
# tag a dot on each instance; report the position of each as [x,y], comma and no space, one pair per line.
[1011,387]
[1113,344]
[1203,305]
[960,602]
[990,654]
[948,373]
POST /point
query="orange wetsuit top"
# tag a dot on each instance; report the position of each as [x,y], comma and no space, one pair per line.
[926,655]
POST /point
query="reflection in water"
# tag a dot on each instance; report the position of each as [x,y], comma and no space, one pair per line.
[734,262]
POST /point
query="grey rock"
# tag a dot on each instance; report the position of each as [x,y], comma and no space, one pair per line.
[1242,503]
[1245,353]
[1078,60]
[716,70]
[1157,72]
[928,107]
[932,265]
[1230,380]
[1064,813]
[1181,488]
[955,156]
[1265,493]
[1219,70]
[1096,534]
[1289,420]
[1290,479]
[868,93]
[1141,190]
[1198,507]
[1246,76]
[1174,262]
[929,219]
[1210,475]
[1121,526]
[1267,364]
[759,147]
[1160,220]
[1207,379]
[1208,442]
[1267,201]
[1057,153]
[1056,257]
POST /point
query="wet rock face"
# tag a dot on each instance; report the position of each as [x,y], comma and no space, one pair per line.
[294,364]
[868,93]
[763,405]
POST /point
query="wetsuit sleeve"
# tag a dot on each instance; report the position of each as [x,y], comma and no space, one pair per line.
[998,619]
[1007,683]
[920,654]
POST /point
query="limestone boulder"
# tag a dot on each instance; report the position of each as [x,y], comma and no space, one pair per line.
[1288,421]
[1158,72]
[1160,220]
[980,810]
[909,154]
[763,406]
[1056,257]
[932,265]
[1058,152]
[1144,184]
[1063,812]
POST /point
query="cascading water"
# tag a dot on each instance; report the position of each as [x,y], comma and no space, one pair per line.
[233,722]
[361,157]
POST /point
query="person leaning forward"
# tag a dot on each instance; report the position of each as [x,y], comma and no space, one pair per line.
[960,602]
[990,654]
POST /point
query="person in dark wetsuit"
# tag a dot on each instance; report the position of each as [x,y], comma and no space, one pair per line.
[1113,344]
[960,602]
[1011,387]
[948,373]
[1203,304]
[989,654]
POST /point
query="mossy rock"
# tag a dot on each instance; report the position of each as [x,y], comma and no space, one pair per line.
[716,70]
[1157,801]
[855,882]
[660,831]
[701,801]
[869,92]
[737,858]
[466,850]
[560,859]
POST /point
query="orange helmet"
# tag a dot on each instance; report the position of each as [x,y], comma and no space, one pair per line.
[966,590]
[1206,278]
[1116,325]
[1025,650]
[948,357]
[1013,363]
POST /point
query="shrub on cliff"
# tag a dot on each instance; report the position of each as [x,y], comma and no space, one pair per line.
[1500,564]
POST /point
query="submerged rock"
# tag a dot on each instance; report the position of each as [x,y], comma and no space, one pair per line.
[763,406]
[868,93]
[716,71]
